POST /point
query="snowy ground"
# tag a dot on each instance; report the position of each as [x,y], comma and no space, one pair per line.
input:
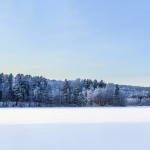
[75,129]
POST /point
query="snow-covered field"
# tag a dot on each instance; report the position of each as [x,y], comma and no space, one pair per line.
[75,128]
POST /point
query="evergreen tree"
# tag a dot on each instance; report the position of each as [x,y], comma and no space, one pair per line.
[10,92]
[95,84]
[66,99]
[1,85]
[17,90]
[75,96]
[102,84]
[117,98]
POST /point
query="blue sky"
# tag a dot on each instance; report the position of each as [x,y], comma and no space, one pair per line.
[107,40]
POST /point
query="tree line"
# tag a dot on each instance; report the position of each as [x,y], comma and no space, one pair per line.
[27,91]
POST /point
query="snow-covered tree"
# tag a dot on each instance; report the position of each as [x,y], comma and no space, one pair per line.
[27,91]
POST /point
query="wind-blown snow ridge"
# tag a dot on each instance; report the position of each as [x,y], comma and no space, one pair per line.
[74,115]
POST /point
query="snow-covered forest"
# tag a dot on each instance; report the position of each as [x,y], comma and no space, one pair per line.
[27,91]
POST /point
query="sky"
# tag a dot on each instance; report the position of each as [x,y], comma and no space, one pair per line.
[71,39]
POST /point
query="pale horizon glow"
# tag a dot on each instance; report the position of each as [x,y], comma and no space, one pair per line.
[74,115]
[66,39]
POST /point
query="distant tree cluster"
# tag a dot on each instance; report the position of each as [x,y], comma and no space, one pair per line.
[27,91]
[136,96]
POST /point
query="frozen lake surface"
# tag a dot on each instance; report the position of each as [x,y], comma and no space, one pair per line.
[75,128]
[74,115]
